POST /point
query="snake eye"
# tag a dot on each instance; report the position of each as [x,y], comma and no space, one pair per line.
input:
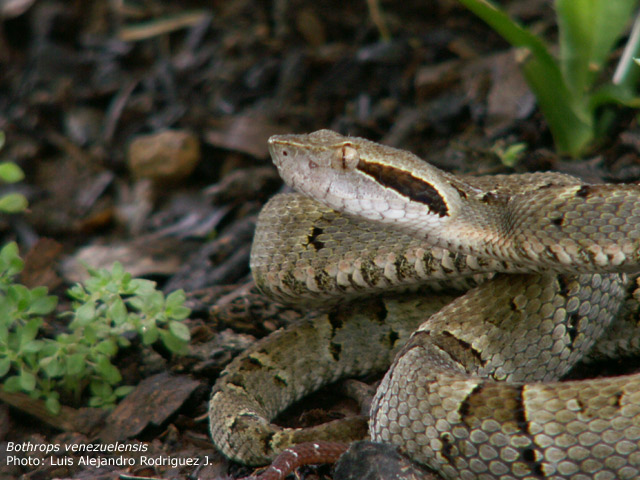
[350,157]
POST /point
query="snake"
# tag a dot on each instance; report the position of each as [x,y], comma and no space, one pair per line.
[475,294]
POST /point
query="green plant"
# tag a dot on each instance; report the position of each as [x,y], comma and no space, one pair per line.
[509,155]
[11,173]
[108,305]
[565,87]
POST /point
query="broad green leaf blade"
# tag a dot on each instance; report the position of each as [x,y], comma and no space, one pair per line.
[572,133]
[613,94]
[588,30]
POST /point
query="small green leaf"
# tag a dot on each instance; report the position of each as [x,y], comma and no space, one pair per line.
[43,305]
[179,313]
[175,299]
[149,302]
[141,286]
[123,391]
[107,370]
[10,262]
[53,405]
[101,389]
[173,343]
[117,271]
[180,330]
[10,172]
[4,334]
[107,347]
[12,384]
[52,366]
[33,346]
[19,296]
[75,363]
[29,331]
[77,292]
[149,335]
[13,203]
[5,366]
[137,303]
[118,311]
[27,381]
[90,333]
[51,348]
[86,313]
[174,305]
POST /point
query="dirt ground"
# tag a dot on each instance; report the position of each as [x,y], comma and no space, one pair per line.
[142,127]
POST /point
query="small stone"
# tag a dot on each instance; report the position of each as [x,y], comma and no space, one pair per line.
[164,157]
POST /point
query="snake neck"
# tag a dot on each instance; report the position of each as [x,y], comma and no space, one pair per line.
[476,223]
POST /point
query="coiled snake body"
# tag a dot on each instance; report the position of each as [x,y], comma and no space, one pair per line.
[473,392]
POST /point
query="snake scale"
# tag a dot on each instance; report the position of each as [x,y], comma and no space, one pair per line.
[384,244]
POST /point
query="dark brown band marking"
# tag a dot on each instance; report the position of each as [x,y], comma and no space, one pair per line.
[461,192]
[335,349]
[312,239]
[280,381]
[407,185]
[532,458]
[584,191]
[573,321]
[370,273]
[461,352]
[464,410]
[447,447]
[521,410]
[558,221]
